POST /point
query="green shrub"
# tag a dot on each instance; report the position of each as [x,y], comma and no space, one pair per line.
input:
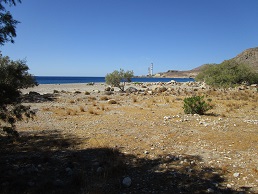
[196,105]
[227,74]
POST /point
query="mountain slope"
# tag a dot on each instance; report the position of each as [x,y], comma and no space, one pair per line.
[250,57]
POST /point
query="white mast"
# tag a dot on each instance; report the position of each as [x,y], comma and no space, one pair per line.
[151,69]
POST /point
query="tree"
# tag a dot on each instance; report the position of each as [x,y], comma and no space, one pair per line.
[228,73]
[116,77]
[7,23]
[13,77]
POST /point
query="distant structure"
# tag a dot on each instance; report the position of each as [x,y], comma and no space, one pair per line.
[150,70]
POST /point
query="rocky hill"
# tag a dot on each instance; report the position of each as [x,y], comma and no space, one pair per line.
[249,56]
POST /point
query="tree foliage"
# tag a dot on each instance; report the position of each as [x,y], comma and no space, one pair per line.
[118,78]
[7,23]
[13,77]
[227,74]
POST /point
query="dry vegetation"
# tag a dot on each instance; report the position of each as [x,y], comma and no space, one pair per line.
[88,144]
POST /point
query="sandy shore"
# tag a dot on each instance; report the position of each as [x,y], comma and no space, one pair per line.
[82,87]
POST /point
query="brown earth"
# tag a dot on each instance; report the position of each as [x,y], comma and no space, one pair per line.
[88,142]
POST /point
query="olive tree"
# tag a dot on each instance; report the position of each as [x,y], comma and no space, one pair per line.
[119,78]
[13,77]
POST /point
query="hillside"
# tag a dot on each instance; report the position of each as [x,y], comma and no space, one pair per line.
[249,56]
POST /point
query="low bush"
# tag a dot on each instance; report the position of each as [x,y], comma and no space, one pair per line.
[196,105]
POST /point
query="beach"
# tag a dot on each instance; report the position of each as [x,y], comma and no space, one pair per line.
[101,138]
[49,88]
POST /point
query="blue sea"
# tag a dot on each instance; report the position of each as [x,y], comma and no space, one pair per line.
[72,80]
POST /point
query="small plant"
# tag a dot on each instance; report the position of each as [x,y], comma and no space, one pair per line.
[104,98]
[134,99]
[196,105]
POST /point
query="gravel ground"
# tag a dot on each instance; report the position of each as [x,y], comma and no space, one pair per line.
[102,142]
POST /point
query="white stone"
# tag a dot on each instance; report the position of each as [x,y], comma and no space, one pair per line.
[210,190]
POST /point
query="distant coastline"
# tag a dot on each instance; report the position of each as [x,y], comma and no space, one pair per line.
[80,79]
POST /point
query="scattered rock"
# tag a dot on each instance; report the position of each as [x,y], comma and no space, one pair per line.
[100,170]
[210,190]
[236,174]
[127,181]
[69,171]
[59,183]
[229,186]
[131,90]
[167,117]
[146,152]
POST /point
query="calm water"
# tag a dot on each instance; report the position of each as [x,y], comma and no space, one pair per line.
[69,80]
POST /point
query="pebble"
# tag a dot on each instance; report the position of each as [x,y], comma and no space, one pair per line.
[236,174]
[210,190]
[69,171]
[229,185]
[127,181]
[99,170]
[59,183]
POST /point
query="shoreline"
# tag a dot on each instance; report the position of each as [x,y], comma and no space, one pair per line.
[68,87]
[83,87]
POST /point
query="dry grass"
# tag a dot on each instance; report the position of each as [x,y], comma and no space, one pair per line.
[112,101]
[94,103]
[71,112]
[92,98]
[104,98]
[72,101]
[82,108]
[92,111]
[134,98]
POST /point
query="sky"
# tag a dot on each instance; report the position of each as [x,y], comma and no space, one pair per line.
[96,37]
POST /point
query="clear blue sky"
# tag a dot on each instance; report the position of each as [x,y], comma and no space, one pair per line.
[95,37]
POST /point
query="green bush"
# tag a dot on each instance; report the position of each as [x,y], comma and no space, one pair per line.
[227,74]
[196,105]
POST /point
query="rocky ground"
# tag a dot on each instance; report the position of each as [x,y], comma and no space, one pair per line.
[84,139]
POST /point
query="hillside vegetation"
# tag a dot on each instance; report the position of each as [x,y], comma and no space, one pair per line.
[227,74]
